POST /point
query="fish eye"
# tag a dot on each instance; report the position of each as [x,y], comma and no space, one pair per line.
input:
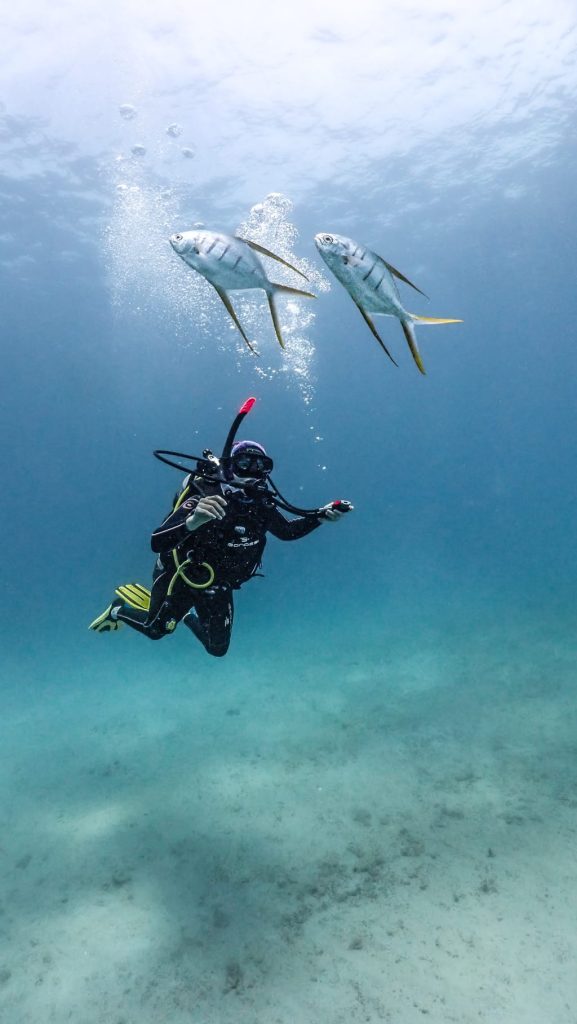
[328,239]
[178,238]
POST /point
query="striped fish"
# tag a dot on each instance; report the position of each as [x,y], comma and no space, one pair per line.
[370,281]
[230,263]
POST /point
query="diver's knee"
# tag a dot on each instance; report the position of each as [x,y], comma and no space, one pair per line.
[216,651]
[157,629]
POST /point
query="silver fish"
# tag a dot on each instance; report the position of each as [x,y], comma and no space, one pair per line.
[230,263]
[370,281]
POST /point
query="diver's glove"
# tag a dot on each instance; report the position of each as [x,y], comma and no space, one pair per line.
[335,510]
[211,507]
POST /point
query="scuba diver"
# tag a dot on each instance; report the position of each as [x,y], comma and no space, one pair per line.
[211,543]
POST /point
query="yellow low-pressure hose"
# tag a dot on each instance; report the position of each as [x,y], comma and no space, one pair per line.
[191,583]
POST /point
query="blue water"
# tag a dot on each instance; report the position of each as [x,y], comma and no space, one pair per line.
[366,811]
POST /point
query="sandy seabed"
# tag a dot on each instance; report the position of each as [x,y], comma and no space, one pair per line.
[331,838]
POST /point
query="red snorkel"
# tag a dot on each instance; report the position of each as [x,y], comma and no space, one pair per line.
[209,464]
[242,412]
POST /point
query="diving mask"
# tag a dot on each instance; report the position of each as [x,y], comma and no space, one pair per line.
[251,464]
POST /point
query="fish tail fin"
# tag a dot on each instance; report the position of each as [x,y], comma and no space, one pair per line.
[434,319]
[409,331]
[285,290]
[275,320]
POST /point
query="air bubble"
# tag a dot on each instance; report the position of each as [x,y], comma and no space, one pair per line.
[188,152]
[279,202]
[138,150]
[127,111]
[174,130]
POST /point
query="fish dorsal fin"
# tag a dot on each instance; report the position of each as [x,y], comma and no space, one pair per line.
[401,277]
[273,255]
[292,291]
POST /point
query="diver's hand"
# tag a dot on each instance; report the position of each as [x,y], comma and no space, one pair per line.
[211,507]
[335,510]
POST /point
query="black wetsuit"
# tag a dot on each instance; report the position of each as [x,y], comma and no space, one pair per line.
[232,546]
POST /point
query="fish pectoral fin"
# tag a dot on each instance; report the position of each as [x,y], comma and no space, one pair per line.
[275,320]
[286,290]
[273,255]
[228,306]
[401,277]
[374,331]
[434,319]
[412,343]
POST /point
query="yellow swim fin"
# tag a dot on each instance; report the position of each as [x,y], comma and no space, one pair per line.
[135,595]
[105,623]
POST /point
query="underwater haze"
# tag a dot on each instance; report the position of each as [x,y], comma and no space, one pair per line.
[367,811]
